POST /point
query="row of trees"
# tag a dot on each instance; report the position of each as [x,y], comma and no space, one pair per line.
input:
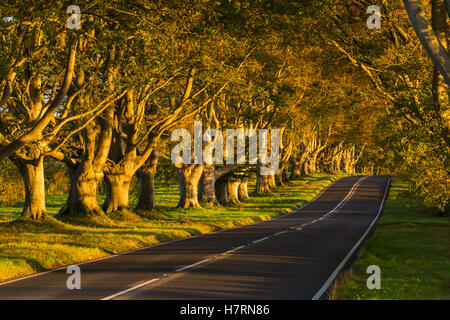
[104,99]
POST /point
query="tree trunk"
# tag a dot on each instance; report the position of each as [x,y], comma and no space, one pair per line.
[285,174]
[336,164]
[282,175]
[272,182]
[188,178]
[147,183]
[117,192]
[435,50]
[296,170]
[232,189]
[87,171]
[305,168]
[313,163]
[262,184]
[83,192]
[243,191]
[146,190]
[221,191]
[32,172]
[279,176]
[207,185]
[440,88]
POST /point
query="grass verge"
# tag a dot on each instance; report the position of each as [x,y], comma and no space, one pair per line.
[411,245]
[28,247]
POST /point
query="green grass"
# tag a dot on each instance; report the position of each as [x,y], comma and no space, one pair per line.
[28,247]
[411,245]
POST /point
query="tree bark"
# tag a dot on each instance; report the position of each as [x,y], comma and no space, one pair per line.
[296,170]
[222,191]
[262,184]
[232,190]
[440,88]
[428,38]
[32,172]
[336,163]
[207,183]
[87,171]
[147,183]
[297,166]
[272,182]
[305,168]
[117,192]
[243,191]
[188,178]
[82,198]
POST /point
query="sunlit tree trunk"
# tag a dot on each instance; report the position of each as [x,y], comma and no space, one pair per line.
[188,178]
[87,172]
[82,199]
[262,183]
[117,192]
[32,172]
[296,169]
[232,190]
[243,190]
[272,182]
[306,169]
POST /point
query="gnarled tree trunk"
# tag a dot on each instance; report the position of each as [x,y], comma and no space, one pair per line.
[306,168]
[188,178]
[82,198]
[222,191]
[262,184]
[32,172]
[87,172]
[147,183]
[296,169]
[117,192]
[208,183]
[272,181]
[243,190]
[232,189]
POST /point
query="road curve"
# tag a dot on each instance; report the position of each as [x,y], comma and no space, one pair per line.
[294,256]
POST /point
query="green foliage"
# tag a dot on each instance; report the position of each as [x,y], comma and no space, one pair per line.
[11,186]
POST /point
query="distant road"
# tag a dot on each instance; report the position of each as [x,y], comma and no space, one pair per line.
[295,256]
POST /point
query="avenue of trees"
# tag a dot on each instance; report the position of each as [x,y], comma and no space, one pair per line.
[100,102]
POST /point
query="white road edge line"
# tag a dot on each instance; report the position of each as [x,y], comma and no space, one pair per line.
[259,240]
[191,265]
[233,250]
[129,289]
[344,261]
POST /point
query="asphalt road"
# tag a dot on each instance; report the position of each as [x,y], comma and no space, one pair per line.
[295,256]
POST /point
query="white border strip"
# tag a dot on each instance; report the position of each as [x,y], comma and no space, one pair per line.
[129,289]
[192,265]
[344,261]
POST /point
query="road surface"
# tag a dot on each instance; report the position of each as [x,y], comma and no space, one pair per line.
[295,256]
